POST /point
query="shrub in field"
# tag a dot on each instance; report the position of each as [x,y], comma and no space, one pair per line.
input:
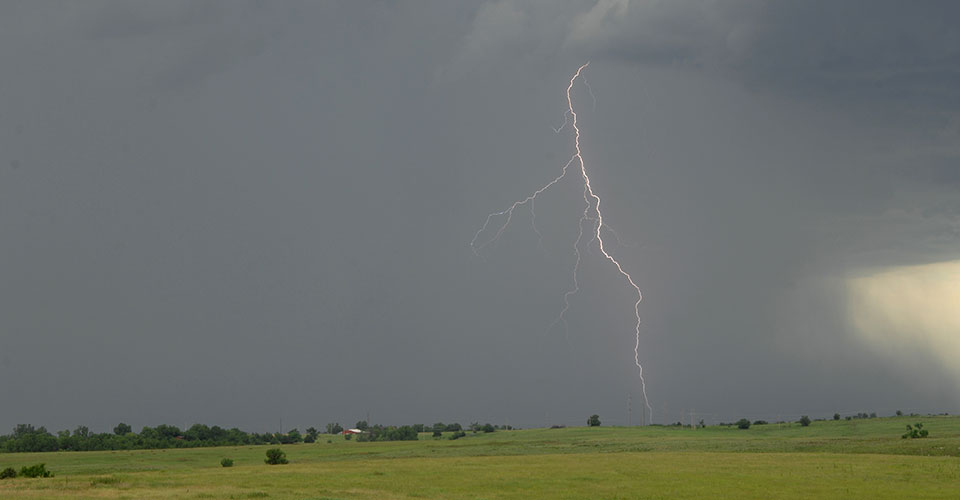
[457,435]
[38,470]
[915,431]
[804,420]
[760,422]
[275,456]
[743,424]
[836,416]
[227,462]
[594,421]
[8,473]
[437,434]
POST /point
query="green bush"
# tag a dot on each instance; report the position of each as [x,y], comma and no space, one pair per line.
[8,473]
[594,421]
[836,416]
[38,470]
[804,420]
[457,435]
[743,424]
[915,431]
[227,462]
[276,456]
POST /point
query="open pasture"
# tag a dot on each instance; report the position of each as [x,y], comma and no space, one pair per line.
[832,459]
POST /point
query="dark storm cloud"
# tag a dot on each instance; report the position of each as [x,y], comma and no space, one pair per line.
[858,50]
[231,212]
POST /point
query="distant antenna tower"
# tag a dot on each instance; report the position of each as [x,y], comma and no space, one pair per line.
[629,410]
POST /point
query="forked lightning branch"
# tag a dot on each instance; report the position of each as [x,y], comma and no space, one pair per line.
[591,223]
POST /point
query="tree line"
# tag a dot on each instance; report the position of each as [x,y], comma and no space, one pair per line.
[27,438]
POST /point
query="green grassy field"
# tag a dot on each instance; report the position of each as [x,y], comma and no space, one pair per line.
[843,459]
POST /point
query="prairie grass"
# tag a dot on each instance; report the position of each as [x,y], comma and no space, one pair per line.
[833,459]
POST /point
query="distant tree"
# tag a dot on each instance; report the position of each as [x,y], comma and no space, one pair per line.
[22,430]
[291,437]
[594,420]
[8,473]
[334,428]
[362,425]
[418,427]
[760,422]
[454,427]
[873,414]
[198,432]
[347,436]
[311,436]
[487,428]
[122,429]
[836,416]
[899,413]
[437,433]
[804,420]
[276,456]
[743,424]
[226,462]
[702,424]
[168,431]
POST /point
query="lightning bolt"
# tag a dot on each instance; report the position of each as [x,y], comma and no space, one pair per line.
[592,219]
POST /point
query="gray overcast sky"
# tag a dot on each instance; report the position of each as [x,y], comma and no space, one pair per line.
[233,212]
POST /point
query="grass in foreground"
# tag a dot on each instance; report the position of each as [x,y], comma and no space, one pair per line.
[848,459]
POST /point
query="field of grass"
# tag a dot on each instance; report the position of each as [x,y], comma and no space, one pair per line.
[842,459]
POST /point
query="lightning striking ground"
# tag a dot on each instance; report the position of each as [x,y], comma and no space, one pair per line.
[592,217]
